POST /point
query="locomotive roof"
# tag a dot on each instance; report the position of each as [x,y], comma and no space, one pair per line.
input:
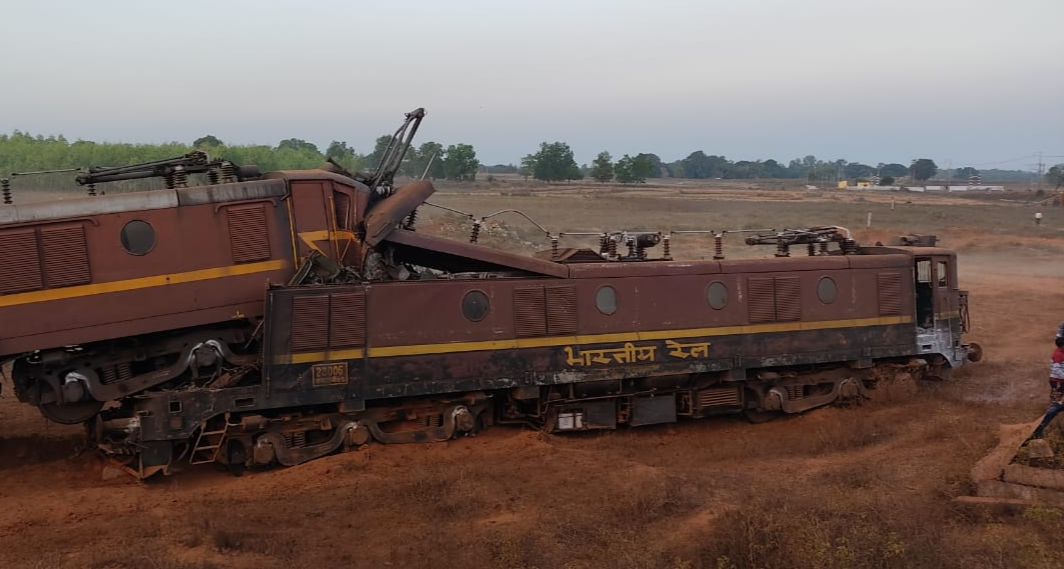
[141,201]
[315,174]
[908,250]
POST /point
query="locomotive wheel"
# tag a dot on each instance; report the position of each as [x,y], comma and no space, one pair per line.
[236,458]
[480,422]
[73,413]
[70,413]
[939,370]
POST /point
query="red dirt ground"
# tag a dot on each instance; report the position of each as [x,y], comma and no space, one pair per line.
[836,487]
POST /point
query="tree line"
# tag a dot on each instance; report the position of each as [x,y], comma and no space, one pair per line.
[24,152]
[553,162]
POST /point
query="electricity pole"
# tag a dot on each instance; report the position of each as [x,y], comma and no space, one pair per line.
[1041,167]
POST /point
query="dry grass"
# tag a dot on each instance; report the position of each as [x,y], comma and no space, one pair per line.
[834,531]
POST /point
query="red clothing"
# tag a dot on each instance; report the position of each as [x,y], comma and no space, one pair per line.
[1056,365]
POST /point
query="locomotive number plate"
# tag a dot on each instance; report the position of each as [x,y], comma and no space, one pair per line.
[329,374]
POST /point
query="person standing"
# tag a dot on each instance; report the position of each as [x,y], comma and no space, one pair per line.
[1056,387]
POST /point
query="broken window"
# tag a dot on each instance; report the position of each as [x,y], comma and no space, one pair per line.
[342,205]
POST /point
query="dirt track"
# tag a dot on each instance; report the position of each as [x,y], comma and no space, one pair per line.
[837,487]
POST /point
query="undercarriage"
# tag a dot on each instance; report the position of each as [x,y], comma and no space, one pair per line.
[72,385]
[261,438]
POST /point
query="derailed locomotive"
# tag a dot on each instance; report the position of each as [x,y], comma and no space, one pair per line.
[271,319]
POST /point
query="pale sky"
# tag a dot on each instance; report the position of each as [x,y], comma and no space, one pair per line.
[968,82]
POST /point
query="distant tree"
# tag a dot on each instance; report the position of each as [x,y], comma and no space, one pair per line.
[858,170]
[892,169]
[744,169]
[924,169]
[632,170]
[207,141]
[642,168]
[1055,176]
[339,150]
[554,162]
[623,169]
[298,145]
[428,155]
[602,167]
[808,167]
[886,181]
[379,148]
[412,163]
[460,163]
[501,169]
[772,169]
[575,172]
[964,173]
[344,155]
[528,166]
[655,163]
[699,165]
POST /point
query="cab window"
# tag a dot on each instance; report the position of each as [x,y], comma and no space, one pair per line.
[942,274]
[923,271]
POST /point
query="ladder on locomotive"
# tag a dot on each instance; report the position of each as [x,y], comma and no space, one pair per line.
[210,440]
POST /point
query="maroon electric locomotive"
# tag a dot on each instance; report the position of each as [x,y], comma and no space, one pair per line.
[264,319]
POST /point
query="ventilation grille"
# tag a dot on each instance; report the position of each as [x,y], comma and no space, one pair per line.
[719,397]
[66,258]
[788,299]
[529,316]
[889,293]
[348,320]
[329,322]
[20,261]
[248,236]
[541,311]
[776,299]
[310,323]
[762,300]
[561,310]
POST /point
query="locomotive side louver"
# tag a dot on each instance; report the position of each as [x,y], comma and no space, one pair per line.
[530,317]
[328,322]
[66,257]
[776,299]
[310,323]
[18,253]
[561,310]
[347,320]
[248,234]
[762,299]
[889,293]
[788,299]
[545,311]
[720,397]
